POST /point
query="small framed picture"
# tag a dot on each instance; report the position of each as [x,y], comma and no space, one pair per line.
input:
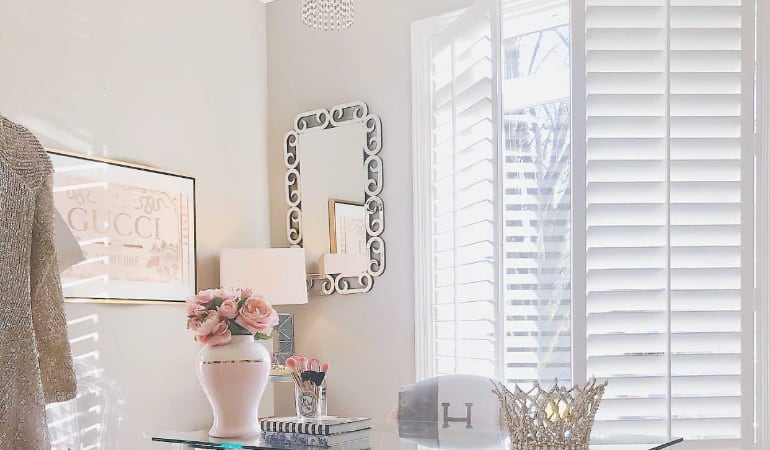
[347,227]
[135,226]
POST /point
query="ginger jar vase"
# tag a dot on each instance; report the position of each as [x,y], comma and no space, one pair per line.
[234,377]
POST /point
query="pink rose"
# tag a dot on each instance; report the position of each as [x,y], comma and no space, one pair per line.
[205,297]
[207,325]
[257,316]
[246,293]
[220,335]
[193,324]
[194,309]
[228,309]
[225,294]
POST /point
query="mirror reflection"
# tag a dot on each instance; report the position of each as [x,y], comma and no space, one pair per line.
[332,191]
[334,181]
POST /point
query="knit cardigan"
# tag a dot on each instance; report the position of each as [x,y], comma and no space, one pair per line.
[35,358]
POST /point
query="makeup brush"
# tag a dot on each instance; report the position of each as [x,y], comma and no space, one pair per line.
[293,364]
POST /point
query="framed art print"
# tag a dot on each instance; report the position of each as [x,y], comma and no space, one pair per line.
[135,226]
[347,227]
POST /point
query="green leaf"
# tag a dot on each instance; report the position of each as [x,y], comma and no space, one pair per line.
[237,329]
[217,302]
[262,337]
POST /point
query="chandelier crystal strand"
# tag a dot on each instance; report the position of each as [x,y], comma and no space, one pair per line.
[333,15]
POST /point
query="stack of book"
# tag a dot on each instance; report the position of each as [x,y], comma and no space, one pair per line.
[348,433]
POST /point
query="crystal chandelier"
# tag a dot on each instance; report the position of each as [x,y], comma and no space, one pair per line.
[332,15]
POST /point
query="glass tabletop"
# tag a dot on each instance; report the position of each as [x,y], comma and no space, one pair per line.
[403,437]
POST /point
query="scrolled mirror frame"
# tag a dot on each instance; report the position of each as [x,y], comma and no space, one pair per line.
[321,119]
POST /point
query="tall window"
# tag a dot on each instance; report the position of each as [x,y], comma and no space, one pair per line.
[584,205]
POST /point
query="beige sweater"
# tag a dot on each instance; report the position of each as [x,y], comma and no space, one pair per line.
[35,357]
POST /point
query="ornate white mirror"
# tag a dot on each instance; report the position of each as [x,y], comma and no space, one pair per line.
[333,187]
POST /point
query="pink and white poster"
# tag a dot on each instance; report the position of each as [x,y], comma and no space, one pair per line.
[135,226]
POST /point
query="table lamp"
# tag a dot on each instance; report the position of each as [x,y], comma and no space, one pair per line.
[278,274]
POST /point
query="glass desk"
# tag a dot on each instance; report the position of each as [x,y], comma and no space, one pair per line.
[389,438]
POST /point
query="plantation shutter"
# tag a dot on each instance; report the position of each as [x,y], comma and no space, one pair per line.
[463,193]
[668,217]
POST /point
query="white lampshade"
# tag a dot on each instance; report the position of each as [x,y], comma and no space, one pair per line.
[276,273]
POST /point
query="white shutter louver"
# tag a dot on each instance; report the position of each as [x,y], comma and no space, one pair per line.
[665,204]
[463,184]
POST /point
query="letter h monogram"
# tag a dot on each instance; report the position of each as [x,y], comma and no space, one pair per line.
[466,419]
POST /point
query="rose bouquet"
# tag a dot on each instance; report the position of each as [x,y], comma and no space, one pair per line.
[215,315]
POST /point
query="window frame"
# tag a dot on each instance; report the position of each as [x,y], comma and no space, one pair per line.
[578,215]
[421,165]
[762,244]
[421,32]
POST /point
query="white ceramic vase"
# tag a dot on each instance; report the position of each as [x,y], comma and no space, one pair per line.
[234,377]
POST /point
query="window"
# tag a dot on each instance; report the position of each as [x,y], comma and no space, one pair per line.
[584,205]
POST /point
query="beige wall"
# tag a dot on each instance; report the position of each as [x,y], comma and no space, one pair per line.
[368,338]
[176,84]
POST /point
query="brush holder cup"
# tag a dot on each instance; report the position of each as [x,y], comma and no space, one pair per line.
[310,400]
